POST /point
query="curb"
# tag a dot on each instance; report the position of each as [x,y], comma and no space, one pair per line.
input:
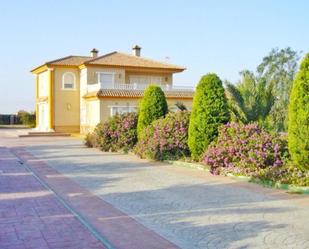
[271,184]
[188,165]
[265,183]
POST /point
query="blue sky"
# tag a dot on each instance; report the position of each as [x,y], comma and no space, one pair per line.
[224,37]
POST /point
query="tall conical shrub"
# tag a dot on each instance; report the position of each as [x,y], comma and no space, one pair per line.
[298,125]
[209,111]
[152,107]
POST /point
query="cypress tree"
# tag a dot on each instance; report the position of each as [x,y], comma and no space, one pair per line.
[298,115]
[152,107]
[209,111]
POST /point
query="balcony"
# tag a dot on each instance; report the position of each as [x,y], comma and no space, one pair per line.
[137,86]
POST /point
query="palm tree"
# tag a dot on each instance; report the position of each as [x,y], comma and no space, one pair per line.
[251,99]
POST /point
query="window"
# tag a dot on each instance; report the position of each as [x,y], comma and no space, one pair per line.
[106,78]
[68,81]
[114,110]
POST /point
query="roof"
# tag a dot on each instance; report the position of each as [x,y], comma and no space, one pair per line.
[126,60]
[137,94]
[71,60]
[118,59]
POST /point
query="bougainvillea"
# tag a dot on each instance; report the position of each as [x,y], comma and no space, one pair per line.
[165,138]
[117,133]
[245,150]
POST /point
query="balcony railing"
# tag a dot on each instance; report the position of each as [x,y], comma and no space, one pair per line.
[136,86]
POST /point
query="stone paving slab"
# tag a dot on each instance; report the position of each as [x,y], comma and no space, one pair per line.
[192,209]
[31,216]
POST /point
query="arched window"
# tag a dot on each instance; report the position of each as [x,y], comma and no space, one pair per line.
[68,81]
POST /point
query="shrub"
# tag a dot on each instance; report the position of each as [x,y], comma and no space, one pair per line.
[181,106]
[27,118]
[90,140]
[165,138]
[152,107]
[298,125]
[288,173]
[245,150]
[117,133]
[209,111]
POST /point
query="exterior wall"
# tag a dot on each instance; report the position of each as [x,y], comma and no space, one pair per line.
[93,116]
[122,76]
[83,102]
[92,76]
[68,111]
[66,102]
[98,110]
[167,78]
[106,103]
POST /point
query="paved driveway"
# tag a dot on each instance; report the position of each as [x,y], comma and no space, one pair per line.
[189,208]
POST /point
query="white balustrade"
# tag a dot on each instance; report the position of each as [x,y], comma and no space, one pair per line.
[135,86]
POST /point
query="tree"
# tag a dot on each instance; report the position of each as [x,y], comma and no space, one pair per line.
[209,111]
[264,96]
[27,118]
[250,99]
[298,128]
[152,107]
[278,69]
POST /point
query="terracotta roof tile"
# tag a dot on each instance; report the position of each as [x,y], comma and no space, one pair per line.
[113,59]
[70,60]
[122,59]
[137,94]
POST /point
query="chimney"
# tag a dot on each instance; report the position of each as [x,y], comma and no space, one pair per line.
[94,53]
[136,50]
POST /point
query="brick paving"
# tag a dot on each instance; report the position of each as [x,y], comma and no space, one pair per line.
[31,216]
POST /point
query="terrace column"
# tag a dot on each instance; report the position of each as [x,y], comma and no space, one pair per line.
[51,98]
[36,100]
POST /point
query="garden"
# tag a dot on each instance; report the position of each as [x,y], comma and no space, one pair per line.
[256,128]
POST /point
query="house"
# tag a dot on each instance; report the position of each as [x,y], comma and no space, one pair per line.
[75,93]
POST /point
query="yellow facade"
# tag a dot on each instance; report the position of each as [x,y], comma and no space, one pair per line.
[65,109]
[66,102]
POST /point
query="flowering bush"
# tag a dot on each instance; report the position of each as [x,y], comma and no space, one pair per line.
[288,173]
[245,150]
[165,138]
[117,133]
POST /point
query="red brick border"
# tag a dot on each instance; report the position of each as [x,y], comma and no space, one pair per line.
[119,229]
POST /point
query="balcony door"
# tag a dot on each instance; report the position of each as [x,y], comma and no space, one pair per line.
[106,79]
